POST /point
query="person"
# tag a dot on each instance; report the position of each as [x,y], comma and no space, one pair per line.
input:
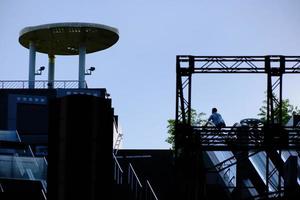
[216,118]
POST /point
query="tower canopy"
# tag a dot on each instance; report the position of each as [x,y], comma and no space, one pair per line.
[65,38]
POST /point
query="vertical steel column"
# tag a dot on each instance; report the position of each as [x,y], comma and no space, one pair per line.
[269,86]
[178,85]
[270,105]
[191,70]
[274,131]
[279,175]
[51,69]
[32,55]
[274,99]
[81,74]
[178,97]
[280,120]
[267,174]
[281,71]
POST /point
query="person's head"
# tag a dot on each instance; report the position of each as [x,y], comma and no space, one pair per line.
[214,110]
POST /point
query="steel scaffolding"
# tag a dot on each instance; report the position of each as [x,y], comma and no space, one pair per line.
[270,137]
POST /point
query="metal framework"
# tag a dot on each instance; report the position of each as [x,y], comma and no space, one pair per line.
[269,137]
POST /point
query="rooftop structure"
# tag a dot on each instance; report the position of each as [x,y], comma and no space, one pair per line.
[72,38]
[36,114]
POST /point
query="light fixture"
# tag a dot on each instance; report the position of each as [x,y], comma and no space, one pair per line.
[107,95]
[39,71]
[89,71]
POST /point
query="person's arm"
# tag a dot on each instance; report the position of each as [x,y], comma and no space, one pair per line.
[210,117]
[208,120]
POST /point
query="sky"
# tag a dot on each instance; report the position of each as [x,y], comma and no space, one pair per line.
[139,70]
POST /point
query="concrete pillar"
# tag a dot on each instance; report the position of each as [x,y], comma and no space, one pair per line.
[32,55]
[51,69]
[81,74]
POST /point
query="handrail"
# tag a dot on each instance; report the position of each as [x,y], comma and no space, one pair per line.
[45,160]
[32,155]
[44,195]
[18,136]
[134,183]
[151,190]
[1,188]
[118,172]
[119,137]
[40,84]
[134,173]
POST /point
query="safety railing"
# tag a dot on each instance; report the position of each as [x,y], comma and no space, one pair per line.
[118,136]
[135,183]
[40,84]
[139,191]
[149,193]
[9,135]
[212,138]
[118,172]
[25,168]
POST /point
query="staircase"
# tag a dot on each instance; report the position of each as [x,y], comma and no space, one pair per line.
[119,136]
[128,186]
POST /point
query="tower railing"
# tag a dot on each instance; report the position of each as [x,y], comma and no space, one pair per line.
[40,84]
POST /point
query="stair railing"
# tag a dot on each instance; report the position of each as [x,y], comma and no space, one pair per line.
[140,192]
[119,137]
[150,194]
[118,172]
[134,183]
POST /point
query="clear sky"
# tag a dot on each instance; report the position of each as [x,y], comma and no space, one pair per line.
[139,71]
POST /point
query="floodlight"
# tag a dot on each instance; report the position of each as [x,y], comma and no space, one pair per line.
[89,71]
[39,71]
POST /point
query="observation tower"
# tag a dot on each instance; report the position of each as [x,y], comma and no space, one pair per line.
[72,38]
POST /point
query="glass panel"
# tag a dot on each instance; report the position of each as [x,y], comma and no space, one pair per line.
[250,186]
[27,168]
[228,175]
[12,136]
[286,154]
[259,162]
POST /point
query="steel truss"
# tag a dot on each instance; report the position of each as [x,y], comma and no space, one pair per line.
[271,137]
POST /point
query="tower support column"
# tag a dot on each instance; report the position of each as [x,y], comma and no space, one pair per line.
[32,55]
[81,74]
[51,69]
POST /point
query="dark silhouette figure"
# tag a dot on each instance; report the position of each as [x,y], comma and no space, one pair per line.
[217,119]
